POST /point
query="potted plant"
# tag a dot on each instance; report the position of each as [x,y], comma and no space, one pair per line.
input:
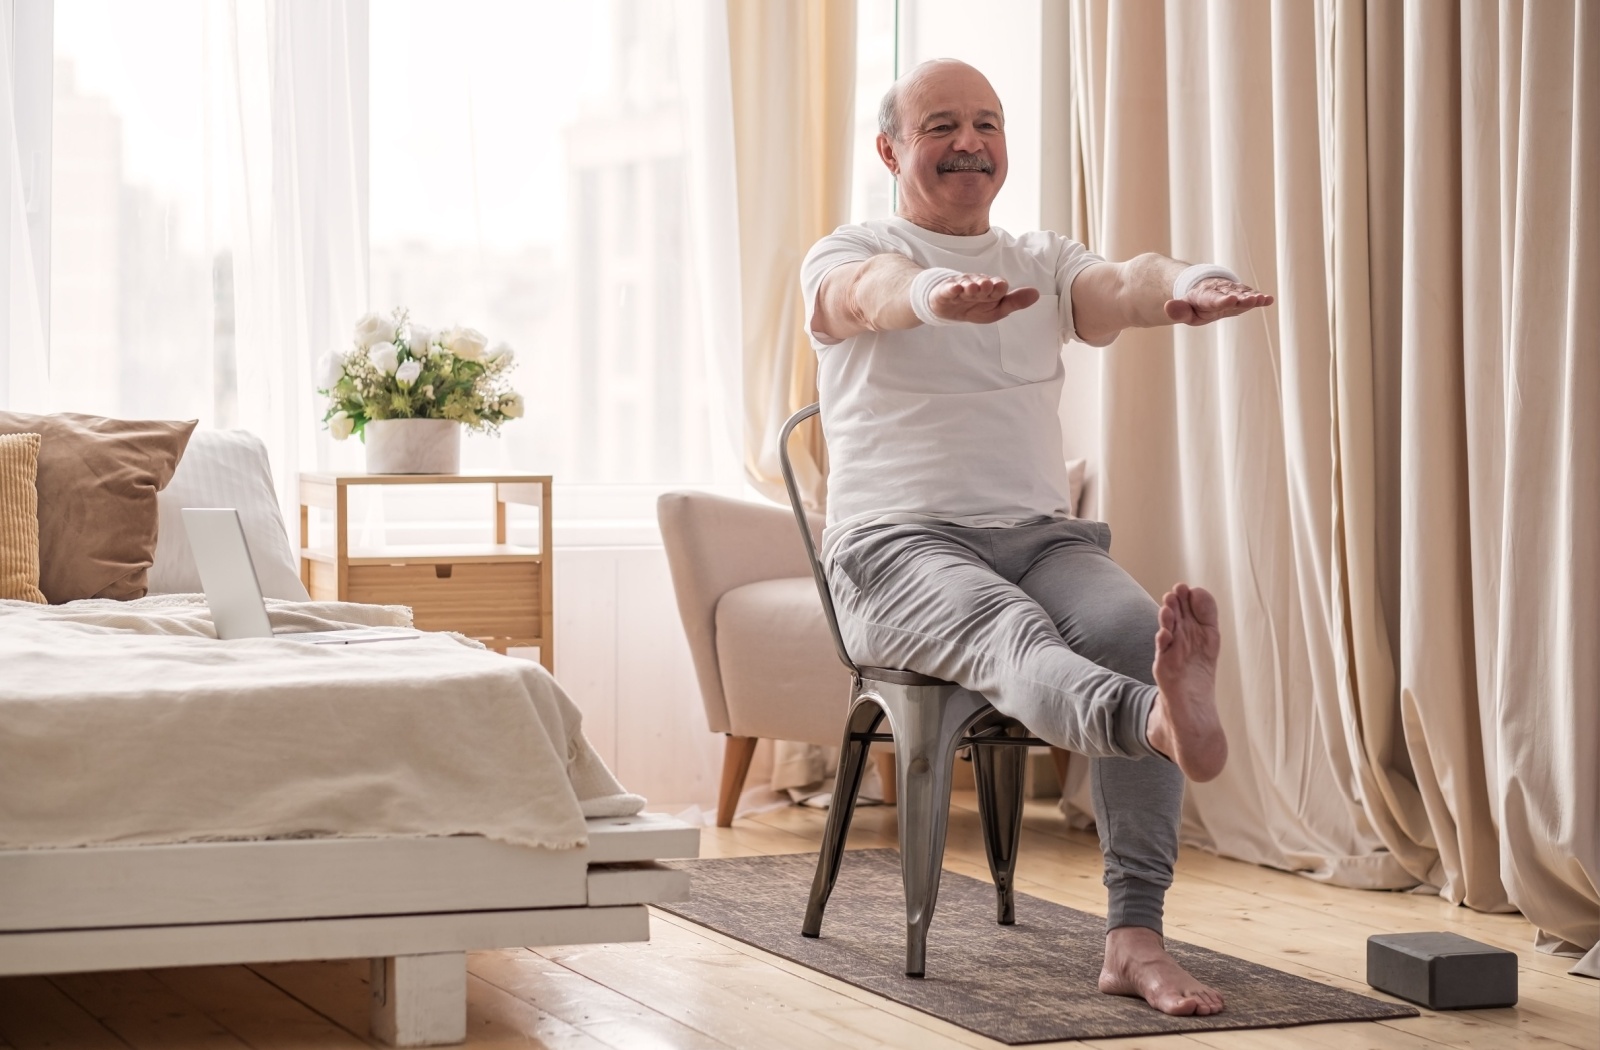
[407,391]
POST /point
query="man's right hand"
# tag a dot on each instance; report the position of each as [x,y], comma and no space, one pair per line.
[874,295]
[979,298]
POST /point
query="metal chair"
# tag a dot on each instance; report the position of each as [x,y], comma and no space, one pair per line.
[929,721]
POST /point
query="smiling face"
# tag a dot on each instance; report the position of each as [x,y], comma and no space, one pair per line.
[949,154]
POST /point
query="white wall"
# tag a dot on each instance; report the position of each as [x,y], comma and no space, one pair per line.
[622,657]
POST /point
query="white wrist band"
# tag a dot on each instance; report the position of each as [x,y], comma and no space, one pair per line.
[1197,273]
[922,286]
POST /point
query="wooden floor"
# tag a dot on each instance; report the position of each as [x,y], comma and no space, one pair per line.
[692,988]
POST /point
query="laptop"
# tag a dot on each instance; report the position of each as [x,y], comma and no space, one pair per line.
[216,536]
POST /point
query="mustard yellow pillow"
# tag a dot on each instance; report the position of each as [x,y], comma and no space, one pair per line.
[19,518]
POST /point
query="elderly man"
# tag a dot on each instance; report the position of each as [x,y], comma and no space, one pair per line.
[951,547]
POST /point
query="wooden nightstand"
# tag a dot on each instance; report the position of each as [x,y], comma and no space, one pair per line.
[498,593]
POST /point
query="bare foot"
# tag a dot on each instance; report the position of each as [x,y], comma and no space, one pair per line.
[1137,965]
[1184,724]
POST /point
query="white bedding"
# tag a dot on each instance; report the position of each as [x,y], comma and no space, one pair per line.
[129,723]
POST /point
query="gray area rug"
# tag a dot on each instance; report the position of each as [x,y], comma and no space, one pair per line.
[1029,983]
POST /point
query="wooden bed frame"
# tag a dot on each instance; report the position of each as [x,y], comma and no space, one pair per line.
[414,906]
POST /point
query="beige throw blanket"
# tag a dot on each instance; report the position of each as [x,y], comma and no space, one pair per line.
[129,723]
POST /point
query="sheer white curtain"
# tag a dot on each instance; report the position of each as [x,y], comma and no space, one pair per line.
[205,207]
[298,151]
[23,373]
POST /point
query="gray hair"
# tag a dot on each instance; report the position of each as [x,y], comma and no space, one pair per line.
[889,112]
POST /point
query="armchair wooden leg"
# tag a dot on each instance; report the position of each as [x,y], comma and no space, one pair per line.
[736,756]
[1061,757]
[884,760]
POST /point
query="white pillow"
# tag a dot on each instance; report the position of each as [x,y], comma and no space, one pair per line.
[225,468]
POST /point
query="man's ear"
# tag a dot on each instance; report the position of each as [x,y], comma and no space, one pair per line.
[886,154]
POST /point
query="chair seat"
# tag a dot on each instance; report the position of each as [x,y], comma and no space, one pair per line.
[895,676]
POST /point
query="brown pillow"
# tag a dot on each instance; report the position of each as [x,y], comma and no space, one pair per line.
[19,518]
[98,480]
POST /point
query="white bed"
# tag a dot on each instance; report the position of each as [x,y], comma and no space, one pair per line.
[169,800]
[413,906]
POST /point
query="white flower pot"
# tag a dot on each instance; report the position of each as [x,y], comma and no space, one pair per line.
[413,446]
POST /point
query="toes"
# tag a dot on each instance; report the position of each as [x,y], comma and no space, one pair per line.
[1186,1006]
[1200,1003]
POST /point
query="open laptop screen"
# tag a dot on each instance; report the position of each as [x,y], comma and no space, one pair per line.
[216,536]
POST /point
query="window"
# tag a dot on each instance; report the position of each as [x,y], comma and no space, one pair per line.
[140,306]
[543,203]
[871,185]
[892,36]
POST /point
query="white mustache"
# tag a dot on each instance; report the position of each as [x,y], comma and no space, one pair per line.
[968,162]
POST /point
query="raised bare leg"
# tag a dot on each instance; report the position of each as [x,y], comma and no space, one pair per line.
[1137,965]
[1184,724]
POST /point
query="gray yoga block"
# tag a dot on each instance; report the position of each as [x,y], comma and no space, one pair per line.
[1442,971]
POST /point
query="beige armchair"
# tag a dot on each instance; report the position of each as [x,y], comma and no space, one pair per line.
[762,652]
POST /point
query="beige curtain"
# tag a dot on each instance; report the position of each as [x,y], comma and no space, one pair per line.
[793,75]
[1392,478]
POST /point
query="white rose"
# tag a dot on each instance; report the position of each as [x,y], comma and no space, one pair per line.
[502,352]
[468,343]
[385,357]
[332,369]
[420,338]
[511,406]
[408,372]
[374,328]
[340,425]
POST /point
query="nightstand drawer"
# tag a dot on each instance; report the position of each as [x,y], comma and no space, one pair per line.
[480,600]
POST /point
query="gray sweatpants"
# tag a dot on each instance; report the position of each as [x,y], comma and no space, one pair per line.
[1041,622]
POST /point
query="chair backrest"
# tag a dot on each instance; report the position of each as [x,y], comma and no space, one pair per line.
[799,509]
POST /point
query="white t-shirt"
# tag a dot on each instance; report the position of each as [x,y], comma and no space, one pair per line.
[953,423]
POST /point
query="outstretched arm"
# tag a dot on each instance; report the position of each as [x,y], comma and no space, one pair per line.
[875,295]
[1108,297]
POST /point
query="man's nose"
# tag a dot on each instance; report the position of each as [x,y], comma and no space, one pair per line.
[967,140]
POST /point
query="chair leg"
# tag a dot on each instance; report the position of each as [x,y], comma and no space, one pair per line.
[884,760]
[865,714]
[928,722]
[999,770]
[736,756]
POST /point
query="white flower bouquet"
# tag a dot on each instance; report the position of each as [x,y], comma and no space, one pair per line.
[400,370]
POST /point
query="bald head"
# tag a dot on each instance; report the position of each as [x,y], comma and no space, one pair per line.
[943,138]
[889,117]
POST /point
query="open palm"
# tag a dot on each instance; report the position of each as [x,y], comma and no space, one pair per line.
[1214,298]
[979,298]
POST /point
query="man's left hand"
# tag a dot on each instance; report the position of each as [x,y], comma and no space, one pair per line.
[1214,298]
